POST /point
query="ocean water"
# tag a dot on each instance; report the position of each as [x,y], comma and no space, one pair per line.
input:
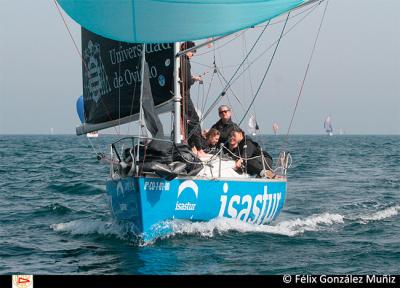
[341,214]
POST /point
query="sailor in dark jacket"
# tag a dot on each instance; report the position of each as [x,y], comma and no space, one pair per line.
[187,80]
[225,125]
[244,148]
[211,141]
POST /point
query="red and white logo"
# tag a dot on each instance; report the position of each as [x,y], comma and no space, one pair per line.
[22,281]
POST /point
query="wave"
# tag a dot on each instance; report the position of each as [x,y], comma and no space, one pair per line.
[380,215]
[89,226]
[76,188]
[290,228]
[54,208]
[217,226]
[220,226]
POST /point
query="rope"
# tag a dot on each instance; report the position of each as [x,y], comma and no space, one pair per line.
[266,72]
[91,144]
[306,73]
[205,100]
[226,43]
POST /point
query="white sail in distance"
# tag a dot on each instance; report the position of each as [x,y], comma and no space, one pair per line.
[275,128]
[253,126]
[328,126]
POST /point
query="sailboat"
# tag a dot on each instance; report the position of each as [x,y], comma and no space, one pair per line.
[130,54]
[253,125]
[275,128]
[328,126]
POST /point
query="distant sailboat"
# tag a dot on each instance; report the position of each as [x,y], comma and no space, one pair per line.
[253,125]
[275,127]
[328,126]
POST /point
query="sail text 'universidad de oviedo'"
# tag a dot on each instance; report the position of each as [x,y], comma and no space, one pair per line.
[122,55]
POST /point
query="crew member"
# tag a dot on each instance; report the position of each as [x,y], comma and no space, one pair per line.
[224,125]
[192,118]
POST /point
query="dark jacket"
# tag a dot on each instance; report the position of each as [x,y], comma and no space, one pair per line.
[247,148]
[210,149]
[225,130]
[186,75]
[188,111]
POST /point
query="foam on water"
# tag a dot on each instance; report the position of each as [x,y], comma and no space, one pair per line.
[380,215]
[217,226]
[90,226]
[290,228]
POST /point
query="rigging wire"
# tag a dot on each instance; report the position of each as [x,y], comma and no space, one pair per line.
[294,16]
[248,74]
[205,100]
[119,97]
[131,111]
[230,80]
[249,64]
[222,85]
[306,72]
[230,88]
[266,72]
[273,44]
[91,144]
[237,35]
[200,87]
[80,55]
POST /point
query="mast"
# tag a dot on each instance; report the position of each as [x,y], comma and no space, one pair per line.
[177,96]
[141,118]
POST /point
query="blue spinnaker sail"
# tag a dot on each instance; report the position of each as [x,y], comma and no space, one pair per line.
[80,109]
[161,21]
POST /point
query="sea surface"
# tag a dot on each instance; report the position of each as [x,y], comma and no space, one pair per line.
[341,214]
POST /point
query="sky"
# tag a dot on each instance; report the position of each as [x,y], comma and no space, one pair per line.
[354,75]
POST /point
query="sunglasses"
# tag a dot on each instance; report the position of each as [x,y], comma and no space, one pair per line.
[224,111]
